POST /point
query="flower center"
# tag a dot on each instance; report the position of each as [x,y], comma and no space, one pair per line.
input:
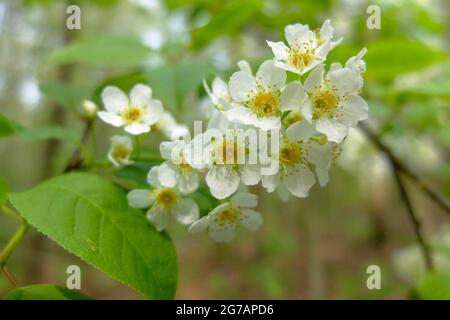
[324,103]
[166,198]
[301,59]
[120,151]
[184,166]
[228,215]
[291,154]
[227,151]
[132,114]
[265,104]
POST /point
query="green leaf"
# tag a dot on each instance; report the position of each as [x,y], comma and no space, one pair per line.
[435,286]
[67,95]
[3,191]
[45,292]
[104,51]
[388,58]
[90,217]
[6,127]
[45,133]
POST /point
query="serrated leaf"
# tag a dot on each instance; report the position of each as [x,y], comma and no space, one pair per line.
[45,292]
[6,126]
[90,217]
[105,51]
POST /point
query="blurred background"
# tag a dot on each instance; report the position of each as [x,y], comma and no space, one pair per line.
[318,247]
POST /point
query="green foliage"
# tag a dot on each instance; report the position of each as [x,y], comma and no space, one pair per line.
[388,58]
[90,217]
[6,126]
[170,84]
[435,286]
[45,292]
[67,95]
[229,20]
[46,133]
[106,51]
[3,191]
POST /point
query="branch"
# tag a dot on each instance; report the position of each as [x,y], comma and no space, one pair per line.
[415,221]
[399,166]
[76,160]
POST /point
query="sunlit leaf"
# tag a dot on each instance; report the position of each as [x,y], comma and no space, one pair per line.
[435,286]
[67,95]
[6,126]
[90,218]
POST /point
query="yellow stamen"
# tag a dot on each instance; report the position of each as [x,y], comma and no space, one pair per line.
[265,104]
[166,198]
[132,114]
[324,103]
[228,215]
[120,151]
[291,154]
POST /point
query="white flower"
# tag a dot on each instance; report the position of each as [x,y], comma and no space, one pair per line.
[261,99]
[163,202]
[333,102]
[176,171]
[300,151]
[218,93]
[136,114]
[222,221]
[227,160]
[120,151]
[171,128]
[306,48]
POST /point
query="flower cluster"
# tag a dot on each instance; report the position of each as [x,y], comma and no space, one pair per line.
[262,129]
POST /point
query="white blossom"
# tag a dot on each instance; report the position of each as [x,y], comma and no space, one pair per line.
[306,48]
[222,221]
[120,151]
[136,114]
[163,202]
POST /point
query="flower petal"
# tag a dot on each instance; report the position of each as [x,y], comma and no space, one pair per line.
[141,95]
[221,232]
[167,174]
[199,225]
[354,109]
[250,174]
[270,182]
[140,198]
[295,33]
[314,79]
[154,113]
[299,181]
[152,177]
[279,49]
[222,181]
[110,118]
[137,128]
[334,130]
[251,219]
[345,80]
[114,99]
[271,77]
[300,130]
[292,96]
[243,199]
[186,211]
[159,217]
[242,86]
[188,182]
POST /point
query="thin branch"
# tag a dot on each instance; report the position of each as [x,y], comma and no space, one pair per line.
[400,166]
[76,160]
[415,221]
[10,276]
[13,242]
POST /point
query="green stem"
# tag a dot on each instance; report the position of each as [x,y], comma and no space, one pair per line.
[137,146]
[11,213]
[12,244]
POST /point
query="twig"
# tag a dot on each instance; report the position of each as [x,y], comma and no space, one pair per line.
[10,276]
[415,221]
[76,160]
[398,165]
[13,242]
